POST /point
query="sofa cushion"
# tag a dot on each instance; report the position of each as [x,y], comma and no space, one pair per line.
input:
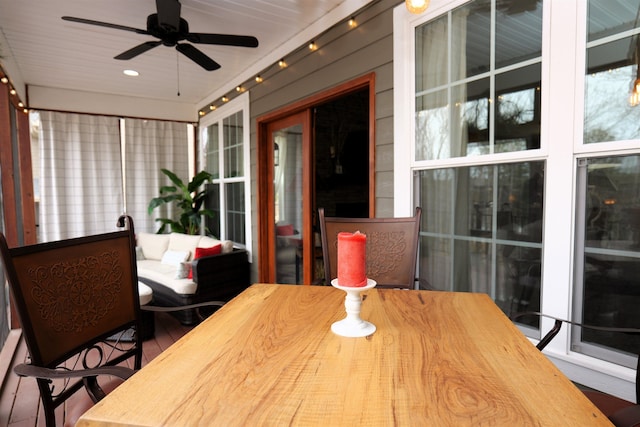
[174,258]
[183,242]
[165,275]
[153,245]
[207,242]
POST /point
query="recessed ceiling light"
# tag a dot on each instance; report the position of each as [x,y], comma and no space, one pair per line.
[132,73]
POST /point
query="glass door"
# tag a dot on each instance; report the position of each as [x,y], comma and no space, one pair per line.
[291,206]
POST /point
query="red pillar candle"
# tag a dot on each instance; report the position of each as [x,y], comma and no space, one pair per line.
[352,270]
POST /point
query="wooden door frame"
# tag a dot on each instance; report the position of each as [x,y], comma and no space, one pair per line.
[265,196]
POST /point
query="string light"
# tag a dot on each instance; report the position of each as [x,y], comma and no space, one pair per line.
[417,6]
[282,64]
[4,80]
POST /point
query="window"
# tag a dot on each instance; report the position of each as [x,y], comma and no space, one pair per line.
[531,118]
[224,153]
[477,96]
[607,270]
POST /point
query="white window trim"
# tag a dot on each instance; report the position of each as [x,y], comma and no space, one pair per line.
[561,137]
[240,103]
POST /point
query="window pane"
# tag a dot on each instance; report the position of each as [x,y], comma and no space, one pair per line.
[455,113]
[428,75]
[609,112]
[471,40]
[482,231]
[518,110]
[213,204]
[610,257]
[471,117]
[607,17]
[233,146]
[235,212]
[212,150]
[518,31]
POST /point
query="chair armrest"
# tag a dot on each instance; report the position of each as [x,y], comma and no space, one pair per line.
[182,307]
[26,370]
[185,307]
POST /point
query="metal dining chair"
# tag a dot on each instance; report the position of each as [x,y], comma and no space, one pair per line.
[392,247]
[78,303]
[620,412]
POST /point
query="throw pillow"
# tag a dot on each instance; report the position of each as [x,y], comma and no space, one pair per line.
[285,230]
[203,252]
[174,257]
[184,270]
[139,253]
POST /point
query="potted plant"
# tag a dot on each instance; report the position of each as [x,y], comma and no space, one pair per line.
[189,201]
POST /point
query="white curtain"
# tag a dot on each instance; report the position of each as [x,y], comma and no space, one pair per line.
[80,175]
[149,147]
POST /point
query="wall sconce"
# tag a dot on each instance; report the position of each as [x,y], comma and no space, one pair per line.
[276,155]
[417,6]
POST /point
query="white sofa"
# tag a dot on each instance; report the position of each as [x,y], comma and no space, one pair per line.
[164,261]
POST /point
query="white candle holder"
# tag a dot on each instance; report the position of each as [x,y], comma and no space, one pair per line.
[352,325]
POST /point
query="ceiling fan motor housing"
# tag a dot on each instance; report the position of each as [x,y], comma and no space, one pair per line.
[166,33]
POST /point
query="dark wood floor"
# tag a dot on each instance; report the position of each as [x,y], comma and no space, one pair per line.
[19,398]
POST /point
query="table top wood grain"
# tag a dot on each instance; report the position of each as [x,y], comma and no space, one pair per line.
[269,357]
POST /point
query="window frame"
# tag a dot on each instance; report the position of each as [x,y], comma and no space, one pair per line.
[239,104]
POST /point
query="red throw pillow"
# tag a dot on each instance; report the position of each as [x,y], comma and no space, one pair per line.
[203,252]
[284,230]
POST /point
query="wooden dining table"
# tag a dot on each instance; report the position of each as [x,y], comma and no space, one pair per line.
[269,358]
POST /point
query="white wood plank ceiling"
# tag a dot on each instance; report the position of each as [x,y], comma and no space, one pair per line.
[50,52]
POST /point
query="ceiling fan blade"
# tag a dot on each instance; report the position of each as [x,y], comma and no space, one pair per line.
[168,14]
[138,50]
[223,39]
[197,56]
[104,24]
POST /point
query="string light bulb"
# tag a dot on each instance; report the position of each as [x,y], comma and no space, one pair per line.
[282,64]
[417,6]
[4,80]
[313,46]
[239,89]
[12,91]
[212,107]
[201,113]
[634,98]
[225,99]
[352,22]
[259,79]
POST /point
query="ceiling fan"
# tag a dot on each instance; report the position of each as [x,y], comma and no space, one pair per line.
[171,30]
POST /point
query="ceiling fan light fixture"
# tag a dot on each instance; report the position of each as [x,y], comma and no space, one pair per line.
[417,6]
[131,73]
